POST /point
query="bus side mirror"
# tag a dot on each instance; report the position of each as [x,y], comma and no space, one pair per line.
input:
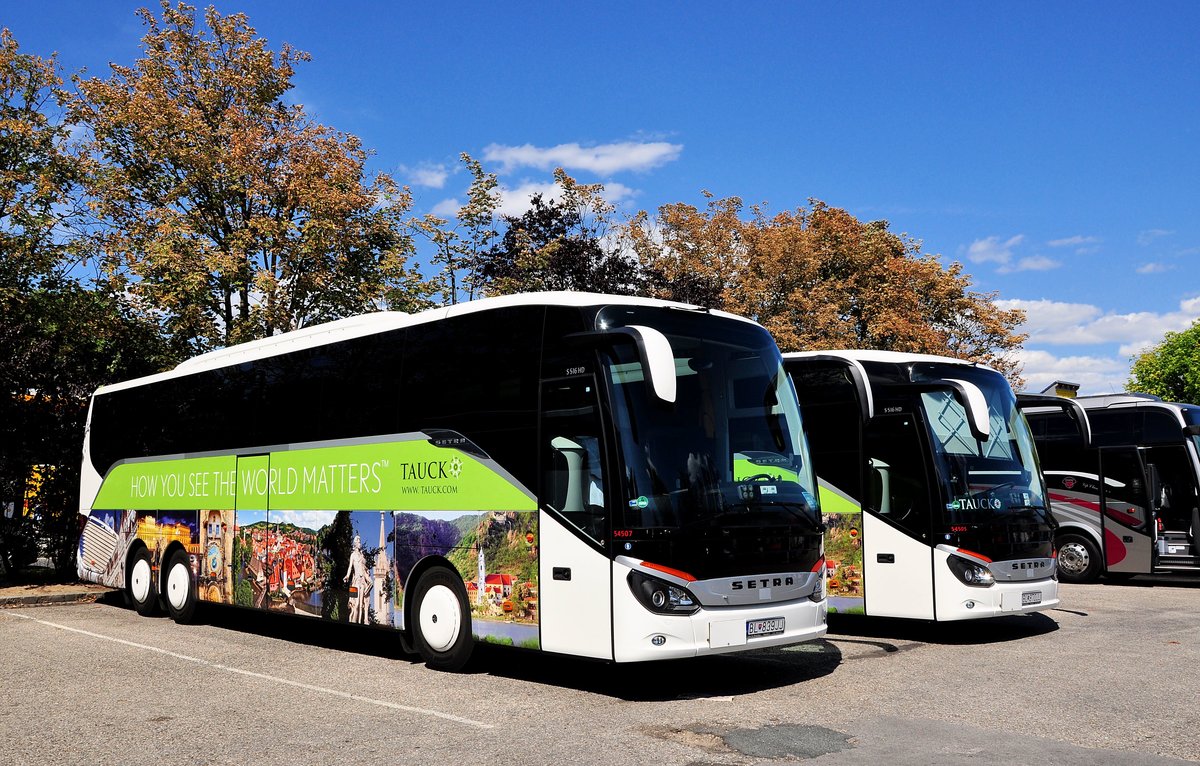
[977,409]
[658,360]
[654,354]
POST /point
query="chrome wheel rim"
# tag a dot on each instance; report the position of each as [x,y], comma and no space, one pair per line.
[1073,558]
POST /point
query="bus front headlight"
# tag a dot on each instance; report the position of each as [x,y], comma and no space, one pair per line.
[971,573]
[662,597]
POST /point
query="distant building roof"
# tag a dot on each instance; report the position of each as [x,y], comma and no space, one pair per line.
[1062,388]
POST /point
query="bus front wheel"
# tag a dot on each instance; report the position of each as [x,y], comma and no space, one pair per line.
[139,583]
[1078,559]
[442,620]
[180,591]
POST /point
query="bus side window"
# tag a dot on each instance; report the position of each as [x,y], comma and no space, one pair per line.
[572,464]
[896,485]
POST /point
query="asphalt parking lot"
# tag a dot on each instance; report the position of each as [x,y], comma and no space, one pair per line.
[1111,677]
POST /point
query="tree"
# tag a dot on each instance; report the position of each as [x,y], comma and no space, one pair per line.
[1171,369]
[225,208]
[36,176]
[819,278]
[59,340]
[560,244]
[455,251]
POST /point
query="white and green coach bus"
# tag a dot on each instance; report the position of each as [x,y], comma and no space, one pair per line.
[606,477]
[934,504]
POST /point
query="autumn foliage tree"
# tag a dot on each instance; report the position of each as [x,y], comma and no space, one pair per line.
[226,208]
[59,338]
[818,278]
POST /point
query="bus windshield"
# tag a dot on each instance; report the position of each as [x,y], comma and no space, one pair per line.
[730,451]
[981,479]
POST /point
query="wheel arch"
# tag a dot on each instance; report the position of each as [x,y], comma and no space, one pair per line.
[135,545]
[1083,530]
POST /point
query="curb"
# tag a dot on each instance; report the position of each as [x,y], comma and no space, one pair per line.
[50,599]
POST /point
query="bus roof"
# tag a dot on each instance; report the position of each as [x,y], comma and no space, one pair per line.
[382,321]
[892,357]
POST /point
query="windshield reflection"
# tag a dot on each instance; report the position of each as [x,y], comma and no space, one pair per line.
[982,479]
[730,451]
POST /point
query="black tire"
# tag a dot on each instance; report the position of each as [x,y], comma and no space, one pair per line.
[179,587]
[1078,559]
[139,583]
[441,620]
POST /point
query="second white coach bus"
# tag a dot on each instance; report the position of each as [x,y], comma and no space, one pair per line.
[933,501]
[606,477]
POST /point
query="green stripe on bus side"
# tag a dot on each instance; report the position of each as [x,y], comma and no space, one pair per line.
[405,476]
[834,500]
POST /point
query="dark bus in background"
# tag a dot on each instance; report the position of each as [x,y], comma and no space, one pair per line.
[1130,503]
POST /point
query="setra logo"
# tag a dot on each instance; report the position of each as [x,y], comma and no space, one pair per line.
[766,582]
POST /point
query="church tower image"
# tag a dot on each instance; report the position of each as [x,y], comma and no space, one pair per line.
[380,601]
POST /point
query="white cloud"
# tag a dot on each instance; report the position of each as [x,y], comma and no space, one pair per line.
[1033,263]
[428,175]
[603,159]
[1057,323]
[992,250]
[447,208]
[1094,374]
[514,201]
[1149,235]
[1154,268]
[1075,241]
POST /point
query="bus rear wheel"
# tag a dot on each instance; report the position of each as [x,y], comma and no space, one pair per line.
[179,590]
[1078,559]
[139,583]
[441,626]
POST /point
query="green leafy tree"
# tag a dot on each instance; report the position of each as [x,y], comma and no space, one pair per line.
[458,249]
[224,207]
[1171,369]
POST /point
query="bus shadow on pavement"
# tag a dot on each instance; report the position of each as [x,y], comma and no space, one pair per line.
[696,678]
[991,630]
[711,677]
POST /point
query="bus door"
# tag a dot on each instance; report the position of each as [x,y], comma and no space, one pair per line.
[897,552]
[1127,520]
[1174,497]
[575,570]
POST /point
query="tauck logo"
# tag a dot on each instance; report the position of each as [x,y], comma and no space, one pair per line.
[455,467]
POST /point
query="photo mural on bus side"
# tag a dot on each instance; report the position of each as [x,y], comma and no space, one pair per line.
[158,529]
[496,554]
[103,545]
[214,578]
[844,562]
[843,517]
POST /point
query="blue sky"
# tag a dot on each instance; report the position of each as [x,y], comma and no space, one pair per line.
[1052,148]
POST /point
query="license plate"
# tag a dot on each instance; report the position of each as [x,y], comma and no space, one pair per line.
[1032,597]
[770,626]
